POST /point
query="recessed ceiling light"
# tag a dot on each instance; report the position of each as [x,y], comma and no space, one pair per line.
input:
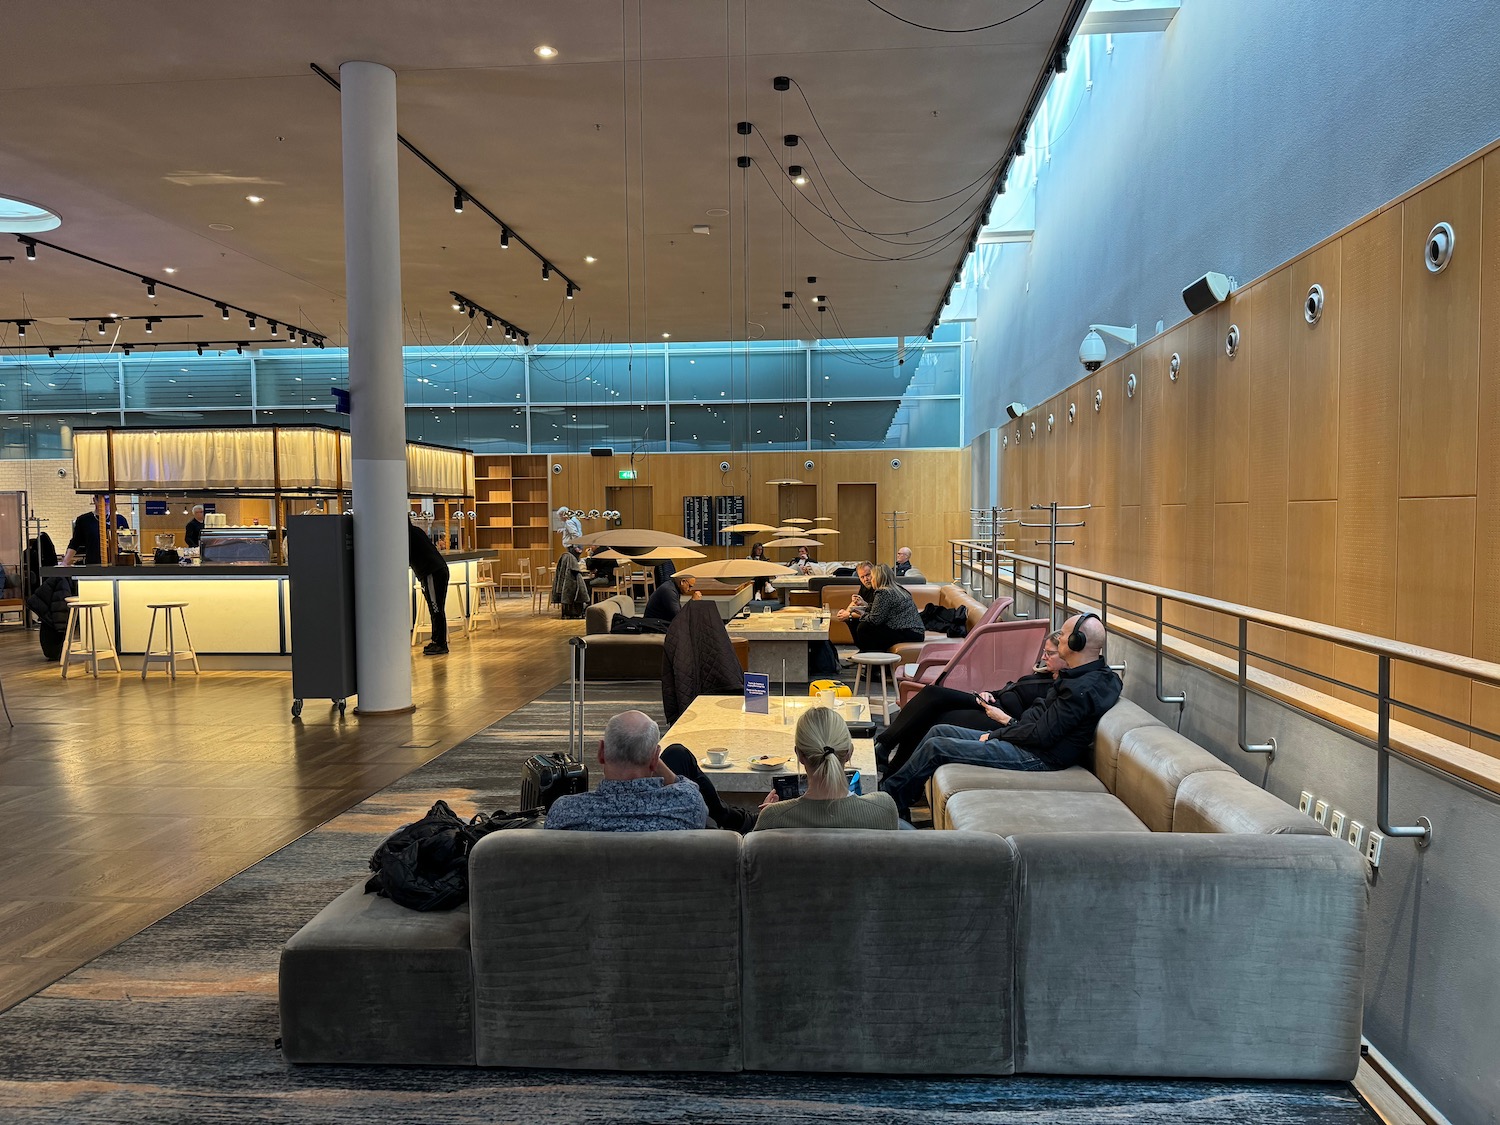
[255,199]
[219,226]
[717,212]
[169,269]
[666,335]
[590,259]
[545,52]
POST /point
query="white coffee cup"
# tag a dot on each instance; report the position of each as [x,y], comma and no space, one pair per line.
[801,623]
[859,710]
[718,757]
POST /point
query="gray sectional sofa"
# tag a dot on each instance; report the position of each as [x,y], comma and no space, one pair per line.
[1162,918]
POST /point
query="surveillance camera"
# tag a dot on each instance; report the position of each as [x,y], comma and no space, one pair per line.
[895,462]
[62,472]
[556,468]
[1016,409]
[1091,353]
[808,465]
[723,466]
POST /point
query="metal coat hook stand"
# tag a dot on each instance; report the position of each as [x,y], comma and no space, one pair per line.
[896,521]
[1052,543]
[993,518]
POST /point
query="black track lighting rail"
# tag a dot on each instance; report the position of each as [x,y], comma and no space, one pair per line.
[512,332]
[308,335]
[462,195]
[174,345]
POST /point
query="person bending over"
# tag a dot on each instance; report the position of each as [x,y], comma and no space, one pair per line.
[666,602]
[431,569]
[936,705]
[892,619]
[1055,732]
[823,749]
[639,793]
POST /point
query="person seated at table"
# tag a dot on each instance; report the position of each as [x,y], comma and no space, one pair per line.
[666,602]
[802,563]
[823,748]
[936,705]
[639,792]
[903,562]
[763,586]
[892,619]
[1055,732]
[601,570]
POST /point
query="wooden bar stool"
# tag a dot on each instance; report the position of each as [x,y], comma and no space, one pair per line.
[87,622]
[865,664]
[541,592]
[170,654]
[458,591]
[485,595]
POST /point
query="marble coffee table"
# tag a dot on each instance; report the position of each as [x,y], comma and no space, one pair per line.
[776,643]
[713,721]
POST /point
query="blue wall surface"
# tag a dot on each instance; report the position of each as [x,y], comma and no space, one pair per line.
[1246,132]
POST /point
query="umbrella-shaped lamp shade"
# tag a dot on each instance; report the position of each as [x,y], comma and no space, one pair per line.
[791,542]
[747,528]
[819,531]
[738,568]
[656,554]
[795,519]
[633,538]
[822,519]
[787,529]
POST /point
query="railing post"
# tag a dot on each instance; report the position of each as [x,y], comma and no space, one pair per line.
[1422,830]
[1104,621]
[1015,589]
[1266,748]
[1181,698]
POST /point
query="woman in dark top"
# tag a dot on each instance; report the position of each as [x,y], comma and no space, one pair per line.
[892,619]
[936,705]
[762,585]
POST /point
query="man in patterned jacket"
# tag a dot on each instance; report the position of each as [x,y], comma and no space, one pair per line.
[639,793]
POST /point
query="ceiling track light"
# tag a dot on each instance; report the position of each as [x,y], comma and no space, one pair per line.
[101,328]
[273,329]
[250,320]
[200,349]
[149,323]
[546,272]
[239,349]
[30,245]
[150,286]
[224,312]
[458,203]
[504,239]
[489,321]
[570,291]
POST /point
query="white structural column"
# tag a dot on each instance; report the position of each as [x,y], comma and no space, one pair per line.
[377,422]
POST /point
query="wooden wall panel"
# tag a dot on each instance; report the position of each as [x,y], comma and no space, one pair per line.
[1264,349]
[1440,341]
[1231,416]
[1313,366]
[1128,552]
[1369,337]
[1231,562]
[1197,388]
[1128,478]
[1312,583]
[1487,542]
[1435,602]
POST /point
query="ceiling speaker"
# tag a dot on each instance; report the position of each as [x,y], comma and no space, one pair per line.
[602,451]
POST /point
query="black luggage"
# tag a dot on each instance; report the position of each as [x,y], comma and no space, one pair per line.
[546,777]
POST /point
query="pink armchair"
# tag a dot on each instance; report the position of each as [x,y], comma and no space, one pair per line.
[990,656]
[936,654]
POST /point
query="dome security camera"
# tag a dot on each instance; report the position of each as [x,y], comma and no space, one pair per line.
[556,468]
[1015,410]
[809,464]
[62,472]
[1091,353]
[723,466]
[895,462]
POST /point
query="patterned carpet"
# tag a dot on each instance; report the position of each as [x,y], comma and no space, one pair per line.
[179,1023]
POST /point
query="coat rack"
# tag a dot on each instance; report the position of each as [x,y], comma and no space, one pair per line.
[1052,543]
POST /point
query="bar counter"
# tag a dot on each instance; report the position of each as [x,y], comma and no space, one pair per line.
[239,615]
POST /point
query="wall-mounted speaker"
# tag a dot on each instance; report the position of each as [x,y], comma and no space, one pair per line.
[602,451]
[1207,292]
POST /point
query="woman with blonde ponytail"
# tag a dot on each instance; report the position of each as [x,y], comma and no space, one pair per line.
[823,748]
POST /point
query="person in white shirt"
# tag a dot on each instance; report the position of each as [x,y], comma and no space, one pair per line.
[568,524]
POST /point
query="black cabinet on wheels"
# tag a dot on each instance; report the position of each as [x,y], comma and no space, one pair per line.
[320,564]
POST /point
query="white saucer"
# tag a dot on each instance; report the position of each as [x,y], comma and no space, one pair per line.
[711,766]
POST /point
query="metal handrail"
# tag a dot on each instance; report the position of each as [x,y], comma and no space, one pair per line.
[973,553]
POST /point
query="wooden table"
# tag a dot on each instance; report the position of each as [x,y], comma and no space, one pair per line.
[714,721]
[777,643]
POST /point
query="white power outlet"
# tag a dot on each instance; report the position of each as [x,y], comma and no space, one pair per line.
[1373,843]
[1355,835]
[1336,824]
[1304,803]
[1320,812]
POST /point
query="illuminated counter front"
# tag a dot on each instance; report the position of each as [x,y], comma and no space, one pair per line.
[239,615]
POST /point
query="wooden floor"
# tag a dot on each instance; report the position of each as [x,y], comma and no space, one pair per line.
[123,800]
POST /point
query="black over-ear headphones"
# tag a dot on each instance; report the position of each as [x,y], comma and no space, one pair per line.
[1076,640]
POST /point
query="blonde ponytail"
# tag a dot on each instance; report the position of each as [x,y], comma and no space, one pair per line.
[823,747]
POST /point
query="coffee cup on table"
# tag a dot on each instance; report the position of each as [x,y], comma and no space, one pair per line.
[718,757]
[801,623]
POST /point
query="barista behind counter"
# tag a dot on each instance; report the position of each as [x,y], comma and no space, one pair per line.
[194,531]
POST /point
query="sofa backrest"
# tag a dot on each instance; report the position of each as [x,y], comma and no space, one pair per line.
[1117,722]
[1152,764]
[600,616]
[1211,801]
[618,951]
[878,952]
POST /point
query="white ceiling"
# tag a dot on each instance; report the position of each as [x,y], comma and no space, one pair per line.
[109,108]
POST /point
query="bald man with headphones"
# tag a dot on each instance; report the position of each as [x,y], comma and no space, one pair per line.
[1055,732]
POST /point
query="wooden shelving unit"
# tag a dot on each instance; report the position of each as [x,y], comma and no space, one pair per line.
[513,506]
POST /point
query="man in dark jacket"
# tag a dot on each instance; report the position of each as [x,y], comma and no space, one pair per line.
[431,569]
[666,601]
[1053,733]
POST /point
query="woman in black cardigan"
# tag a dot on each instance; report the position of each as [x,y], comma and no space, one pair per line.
[892,619]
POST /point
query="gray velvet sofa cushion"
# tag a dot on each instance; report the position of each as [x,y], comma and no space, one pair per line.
[1188,955]
[367,981]
[1212,801]
[956,778]
[608,951]
[599,616]
[1153,761]
[1007,813]
[878,952]
[1116,723]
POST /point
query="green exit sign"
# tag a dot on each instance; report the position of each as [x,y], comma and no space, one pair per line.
[627,474]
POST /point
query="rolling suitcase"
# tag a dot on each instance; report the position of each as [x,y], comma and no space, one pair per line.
[546,777]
